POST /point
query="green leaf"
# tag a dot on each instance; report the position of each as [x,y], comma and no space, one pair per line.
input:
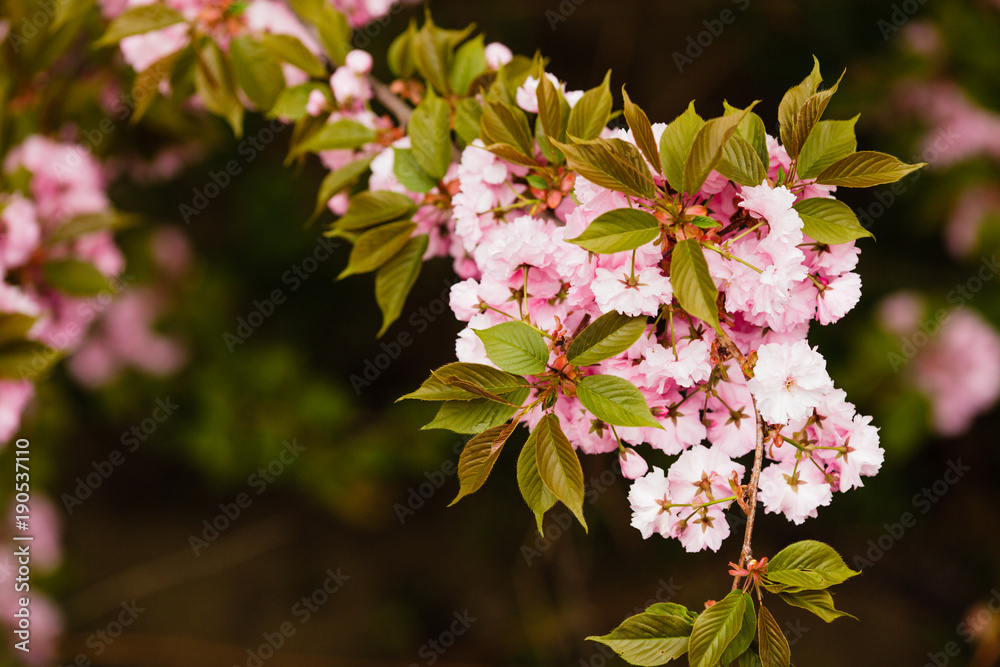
[807,117]
[468,117]
[705,222]
[430,136]
[14,326]
[618,230]
[741,642]
[506,124]
[400,56]
[395,279]
[675,145]
[91,222]
[377,246]
[592,111]
[476,415]
[829,221]
[830,141]
[27,359]
[343,133]
[258,71]
[692,283]
[865,169]
[774,649]
[615,401]
[608,335]
[409,172]
[649,638]
[137,20]
[338,180]
[559,466]
[672,609]
[334,31]
[470,62]
[817,602]
[752,130]
[374,206]
[642,130]
[477,459]
[706,149]
[145,87]
[75,277]
[437,387]
[612,164]
[550,109]
[793,100]
[538,497]
[214,84]
[516,348]
[740,163]
[292,102]
[795,580]
[431,53]
[811,556]
[511,154]
[291,50]
[716,628]
[749,659]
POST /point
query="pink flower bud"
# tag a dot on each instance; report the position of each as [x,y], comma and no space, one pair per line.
[497,55]
[633,465]
[359,62]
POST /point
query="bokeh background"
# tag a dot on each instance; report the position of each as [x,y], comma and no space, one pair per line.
[365,498]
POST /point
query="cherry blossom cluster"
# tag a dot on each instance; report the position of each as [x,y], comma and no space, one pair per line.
[507,235]
[62,183]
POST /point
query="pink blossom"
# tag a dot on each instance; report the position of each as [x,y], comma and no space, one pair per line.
[649,498]
[497,55]
[794,488]
[838,297]
[789,381]
[642,296]
[702,470]
[706,529]
[19,232]
[14,397]
[960,371]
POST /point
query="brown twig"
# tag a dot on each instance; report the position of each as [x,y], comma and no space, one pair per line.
[758,460]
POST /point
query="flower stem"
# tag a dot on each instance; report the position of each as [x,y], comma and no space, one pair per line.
[758,461]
